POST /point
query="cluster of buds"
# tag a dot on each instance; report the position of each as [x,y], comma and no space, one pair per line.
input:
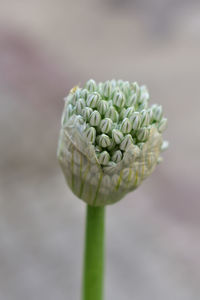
[110,139]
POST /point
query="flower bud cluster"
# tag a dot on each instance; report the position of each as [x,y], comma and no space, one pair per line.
[112,126]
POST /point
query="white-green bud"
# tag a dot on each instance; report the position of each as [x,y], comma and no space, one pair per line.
[104,140]
[107,89]
[75,96]
[131,100]
[162,125]
[117,136]
[127,141]
[112,145]
[95,118]
[157,112]
[126,126]
[90,134]
[143,134]
[118,99]
[84,93]
[125,88]
[106,125]
[86,113]
[93,100]
[104,158]
[129,112]
[117,156]
[91,85]
[122,113]
[112,114]
[135,120]
[80,104]
[144,118]
[102,107]
[137,90]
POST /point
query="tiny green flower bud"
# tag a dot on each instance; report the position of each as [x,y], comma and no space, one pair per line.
[157,112]
[104,158]
[107,89]
[86,113]
[127,141]
[125,88]
[112,145]
[93,99]
[91,85]
[144,118]
[137,90]
[84,94]
[90,134]
[129,112]
[118,99]
[95,118]
[162,125]
[142,134]
[104,140]
[117,136]
[135,119]
[131,100]
[80,104]
[122,114]
[75,96]
[117,156]
[102,107]
[106,125]
[126,126]
[112,114]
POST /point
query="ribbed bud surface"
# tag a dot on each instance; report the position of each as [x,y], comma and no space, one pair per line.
[110,139]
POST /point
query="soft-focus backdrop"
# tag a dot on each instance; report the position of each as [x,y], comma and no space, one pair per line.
[153,242]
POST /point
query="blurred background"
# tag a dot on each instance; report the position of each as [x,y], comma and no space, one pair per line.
[153,244]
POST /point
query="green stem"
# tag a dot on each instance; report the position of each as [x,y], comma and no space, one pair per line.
[93,272]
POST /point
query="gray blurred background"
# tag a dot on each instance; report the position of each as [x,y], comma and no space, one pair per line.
[153,243]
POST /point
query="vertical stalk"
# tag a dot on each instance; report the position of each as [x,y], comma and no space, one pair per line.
[93,272]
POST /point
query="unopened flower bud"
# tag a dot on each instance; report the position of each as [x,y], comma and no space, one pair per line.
[104,140]
[102,107]
[86,113]
[80,104]
[110,139]
[144,118]
[136,121]
[126,126]
[106,125]
[129,112]
[127,141]
[117,136]
[142,134]
[84,94]
[112,114]
[157,112]
[93,100]
[90,134]
[118,99]
[104,158]
[107,89]
[95,118]
[117,156]
[91,85]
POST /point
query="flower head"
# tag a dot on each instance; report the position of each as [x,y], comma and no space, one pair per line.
[110,139]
